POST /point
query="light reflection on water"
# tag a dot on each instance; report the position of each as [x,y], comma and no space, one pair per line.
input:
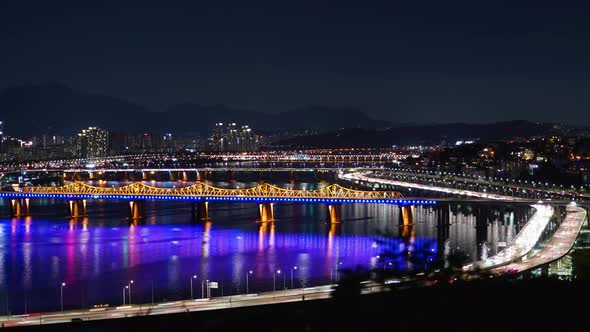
[98,255]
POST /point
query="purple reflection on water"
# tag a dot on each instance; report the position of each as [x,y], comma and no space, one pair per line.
[97,261]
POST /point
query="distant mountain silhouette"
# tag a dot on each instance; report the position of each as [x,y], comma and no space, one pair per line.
[420,134]
[56,108]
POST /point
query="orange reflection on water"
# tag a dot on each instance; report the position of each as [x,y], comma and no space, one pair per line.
[206,239]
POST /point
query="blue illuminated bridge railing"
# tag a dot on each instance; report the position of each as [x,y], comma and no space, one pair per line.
[203,192]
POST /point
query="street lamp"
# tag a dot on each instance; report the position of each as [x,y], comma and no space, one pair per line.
[130,283]
[274,288]
[202,289]
[63,284]
[292,268]
[247,290]
[124,291]
[194,277]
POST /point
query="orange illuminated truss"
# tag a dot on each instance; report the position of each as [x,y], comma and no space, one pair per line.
[265,190]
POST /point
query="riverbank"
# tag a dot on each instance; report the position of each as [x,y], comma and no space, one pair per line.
[495,304]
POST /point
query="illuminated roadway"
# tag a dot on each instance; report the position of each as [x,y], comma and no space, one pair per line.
[216,303]
[363,177]
[558,246]
[522,243]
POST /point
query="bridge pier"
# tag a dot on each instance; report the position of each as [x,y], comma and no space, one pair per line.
[335,213]
[406,221]
[20,207]
[199,176]
[200,211]
[77,208]
[265,212]
[136,209]
[406,215]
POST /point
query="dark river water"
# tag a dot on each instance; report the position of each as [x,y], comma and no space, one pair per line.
[98,255]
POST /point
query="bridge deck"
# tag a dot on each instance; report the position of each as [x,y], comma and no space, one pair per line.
[200,191]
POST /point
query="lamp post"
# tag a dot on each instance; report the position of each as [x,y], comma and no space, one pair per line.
[129,286]
[247,289]
[63,284]
[194,277]
[124,291]
[292,268]
[274,279]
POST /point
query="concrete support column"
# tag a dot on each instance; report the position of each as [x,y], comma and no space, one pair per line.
[406,221]
[136,209]
[200,211]
[27,207]
[334,213]
[77,208]
[265,212]
[406,215]
[20,207]
[199,176]
[15,208]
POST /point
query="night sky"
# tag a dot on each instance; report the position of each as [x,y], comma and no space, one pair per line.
[405,61]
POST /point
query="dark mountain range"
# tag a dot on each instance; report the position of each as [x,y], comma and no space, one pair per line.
[420,134]
[55,108]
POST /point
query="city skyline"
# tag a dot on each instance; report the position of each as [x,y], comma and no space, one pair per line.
[294,166]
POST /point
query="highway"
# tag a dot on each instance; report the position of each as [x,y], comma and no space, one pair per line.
[226,302]
[489,196]
[523,243]
[558,246]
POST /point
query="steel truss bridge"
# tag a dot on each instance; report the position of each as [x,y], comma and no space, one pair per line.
[203,192]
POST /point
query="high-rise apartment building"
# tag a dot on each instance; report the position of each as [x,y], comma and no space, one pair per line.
[92,142]
[233,138]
